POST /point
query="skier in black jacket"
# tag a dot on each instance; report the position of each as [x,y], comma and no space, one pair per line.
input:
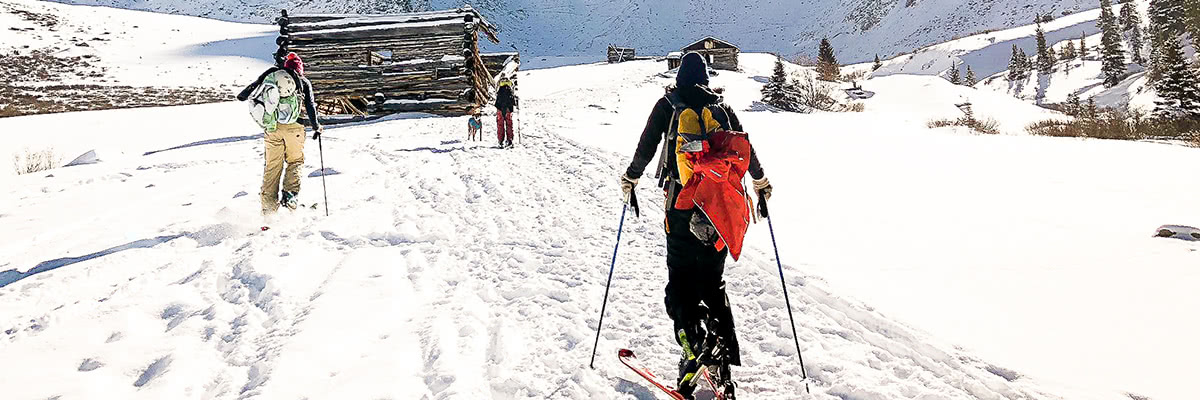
[506,101]
[695,292]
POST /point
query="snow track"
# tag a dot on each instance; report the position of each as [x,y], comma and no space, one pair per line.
[447,270]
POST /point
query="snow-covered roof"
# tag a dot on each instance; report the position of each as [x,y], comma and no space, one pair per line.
[719,43]
[675,54]
[344,22]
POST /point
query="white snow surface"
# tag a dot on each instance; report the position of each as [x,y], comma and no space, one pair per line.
[997,267]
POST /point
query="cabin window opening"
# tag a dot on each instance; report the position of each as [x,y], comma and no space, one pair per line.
[381,57]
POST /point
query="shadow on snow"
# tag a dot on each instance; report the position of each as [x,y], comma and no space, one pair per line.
[209,236]
[231,139]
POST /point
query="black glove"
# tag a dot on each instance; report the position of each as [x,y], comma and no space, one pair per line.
[627,185]
[763,188]
[629,195]
[318,132]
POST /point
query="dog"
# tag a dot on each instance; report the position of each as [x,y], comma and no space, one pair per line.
[475,127]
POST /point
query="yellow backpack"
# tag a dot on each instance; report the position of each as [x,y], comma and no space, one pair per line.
[688,133]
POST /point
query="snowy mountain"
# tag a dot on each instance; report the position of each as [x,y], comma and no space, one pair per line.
[859,29]
[988,54]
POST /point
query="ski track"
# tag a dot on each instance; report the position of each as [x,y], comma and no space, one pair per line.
[447,270]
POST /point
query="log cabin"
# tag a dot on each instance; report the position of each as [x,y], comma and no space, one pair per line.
[719,53]
[620,54]
[367,66]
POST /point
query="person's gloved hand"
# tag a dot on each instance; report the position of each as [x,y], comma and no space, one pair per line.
[763,188]
[318,132]
[627,185]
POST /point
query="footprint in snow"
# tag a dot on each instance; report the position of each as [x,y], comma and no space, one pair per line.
[90,365]
[154,370]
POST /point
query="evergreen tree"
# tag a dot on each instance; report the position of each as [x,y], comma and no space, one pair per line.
[1073,106]
[1128,11]
[971,80]
[1131,25]
[1191,17]
[1111,54]
[1167,24]
[827,65]
[775,91]
[1014,65]
[1179,86]
[1091,112]
[1026,64]
[1083,49]
[877,65]
[1068,51]
[955,78]
[1044,62]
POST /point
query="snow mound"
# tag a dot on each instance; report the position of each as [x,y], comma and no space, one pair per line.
[84,159]
[1178,232]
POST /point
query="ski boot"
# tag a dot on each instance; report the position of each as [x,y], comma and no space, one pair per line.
[690,362]
[291,200]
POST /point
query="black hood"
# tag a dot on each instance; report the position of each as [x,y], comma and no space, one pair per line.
[698,95]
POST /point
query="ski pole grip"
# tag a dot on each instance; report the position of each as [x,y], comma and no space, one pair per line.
[762,206]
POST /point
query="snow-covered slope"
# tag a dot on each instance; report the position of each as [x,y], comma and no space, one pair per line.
[62,58]
[859,28]
[988,54]
[449,269]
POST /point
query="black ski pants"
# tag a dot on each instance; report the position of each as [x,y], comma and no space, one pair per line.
[695,290]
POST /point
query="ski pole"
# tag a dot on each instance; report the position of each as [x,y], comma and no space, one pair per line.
[321,151]
[762,204]
[611,268]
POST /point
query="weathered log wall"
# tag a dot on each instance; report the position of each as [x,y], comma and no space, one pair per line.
[621,54]
[381,64]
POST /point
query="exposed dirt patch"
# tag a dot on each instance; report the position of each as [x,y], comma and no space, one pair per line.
[17,101]
[42,81]
[41,19]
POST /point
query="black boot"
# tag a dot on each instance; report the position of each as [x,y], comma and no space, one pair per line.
[691,361]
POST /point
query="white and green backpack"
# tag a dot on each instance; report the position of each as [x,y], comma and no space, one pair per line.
[276,101]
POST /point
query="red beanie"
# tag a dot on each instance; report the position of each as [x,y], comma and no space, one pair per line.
[293,62]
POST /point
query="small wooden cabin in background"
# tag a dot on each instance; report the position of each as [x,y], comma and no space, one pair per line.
[719,53]
[674,59]
[621,54]
[365,66]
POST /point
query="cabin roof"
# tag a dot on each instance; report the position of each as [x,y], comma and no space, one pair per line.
[343,22]
[698,45]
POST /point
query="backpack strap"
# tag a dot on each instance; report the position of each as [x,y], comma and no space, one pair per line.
[666,160]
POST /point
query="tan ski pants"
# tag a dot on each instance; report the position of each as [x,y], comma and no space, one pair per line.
[285,144]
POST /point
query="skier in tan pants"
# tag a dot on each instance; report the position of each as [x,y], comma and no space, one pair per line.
[283,136]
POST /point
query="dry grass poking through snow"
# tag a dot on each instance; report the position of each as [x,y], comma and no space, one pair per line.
[1120,125]
[35,161]
[986,126]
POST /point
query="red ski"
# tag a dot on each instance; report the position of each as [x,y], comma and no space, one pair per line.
[630,360]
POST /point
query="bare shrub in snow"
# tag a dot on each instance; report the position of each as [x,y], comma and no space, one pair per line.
[986,126]
[855,108]
[35,161]
[854,76]
[813,94]
[1117,124]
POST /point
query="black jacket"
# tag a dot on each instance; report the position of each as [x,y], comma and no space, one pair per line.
[305,91]
[505,101]
[660,123]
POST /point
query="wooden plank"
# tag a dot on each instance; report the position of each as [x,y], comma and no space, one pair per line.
[381,31]
[361,21]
